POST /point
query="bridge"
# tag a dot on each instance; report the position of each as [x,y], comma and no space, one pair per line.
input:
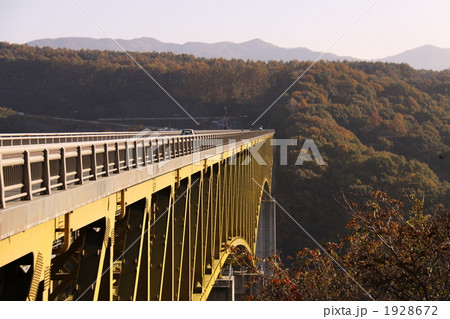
[128,215]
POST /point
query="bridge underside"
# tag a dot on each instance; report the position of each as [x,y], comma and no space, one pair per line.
[166,238]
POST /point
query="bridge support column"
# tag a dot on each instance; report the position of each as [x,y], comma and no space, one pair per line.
[223,290]
[266,239]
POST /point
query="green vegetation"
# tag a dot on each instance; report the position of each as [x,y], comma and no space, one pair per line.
[377,125]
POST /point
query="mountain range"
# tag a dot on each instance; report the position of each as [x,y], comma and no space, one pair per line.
[424,57]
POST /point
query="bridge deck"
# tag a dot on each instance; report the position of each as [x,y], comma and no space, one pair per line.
[68,175]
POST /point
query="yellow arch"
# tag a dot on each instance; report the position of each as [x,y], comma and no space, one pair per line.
[235,242]
[269,185]
[217,267]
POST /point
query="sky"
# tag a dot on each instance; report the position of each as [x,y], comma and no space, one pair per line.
[387,28]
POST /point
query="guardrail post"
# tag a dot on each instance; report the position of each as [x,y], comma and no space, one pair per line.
[63,169]
[144,153]
[93,162]
[80,164]
[136,155]
[174,147]
[164,152]
[127,155]
[117,158]
[47,183]
[196,144]
[181,146]
[189,144]
[167,149]
[157,151]
[2,185]
[27,186]
[150,152]
[106,160]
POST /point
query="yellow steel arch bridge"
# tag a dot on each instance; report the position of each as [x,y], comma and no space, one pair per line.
[127,216]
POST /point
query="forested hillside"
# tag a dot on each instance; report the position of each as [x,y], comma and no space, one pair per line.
[377,125]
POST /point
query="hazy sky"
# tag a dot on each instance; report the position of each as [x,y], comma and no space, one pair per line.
[389,27]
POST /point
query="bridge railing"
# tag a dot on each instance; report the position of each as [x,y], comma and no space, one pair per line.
[57,138]
[33,170]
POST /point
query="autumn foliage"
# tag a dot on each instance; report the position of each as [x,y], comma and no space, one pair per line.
[392,253]
[376,125]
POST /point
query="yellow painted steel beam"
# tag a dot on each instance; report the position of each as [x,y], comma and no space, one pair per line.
[192,217]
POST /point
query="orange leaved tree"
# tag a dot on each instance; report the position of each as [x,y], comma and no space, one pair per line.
[392,253]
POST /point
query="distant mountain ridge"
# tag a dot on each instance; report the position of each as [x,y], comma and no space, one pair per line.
[254,49]
[424,57]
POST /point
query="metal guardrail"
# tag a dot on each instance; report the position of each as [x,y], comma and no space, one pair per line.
[53,138]
[39,169]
